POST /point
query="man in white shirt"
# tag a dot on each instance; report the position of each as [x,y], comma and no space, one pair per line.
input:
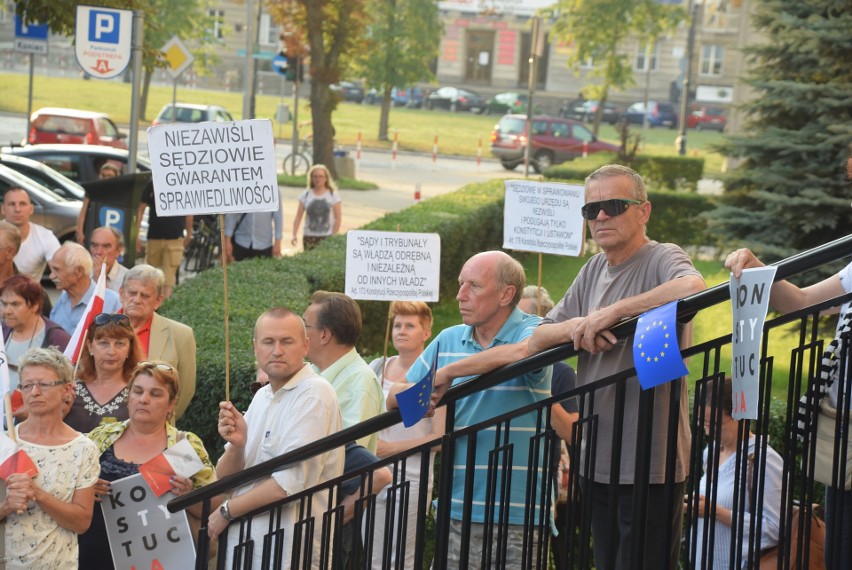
[105,245]
[38,244]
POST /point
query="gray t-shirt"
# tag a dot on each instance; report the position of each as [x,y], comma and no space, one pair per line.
[597,286]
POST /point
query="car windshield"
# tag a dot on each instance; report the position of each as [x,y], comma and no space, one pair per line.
[512,125]
[715,112]
[665,108]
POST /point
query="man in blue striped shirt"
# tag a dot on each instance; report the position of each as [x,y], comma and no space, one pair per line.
[494,333]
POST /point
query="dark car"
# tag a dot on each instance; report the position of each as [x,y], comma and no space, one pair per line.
[50,210]
[554,140]
[707,118]
[659,114]
[72,126]
[410,97]
[455,99]
[586,110]
[44,175]
[79,162]
[509,102]
[192,113]
[349,91]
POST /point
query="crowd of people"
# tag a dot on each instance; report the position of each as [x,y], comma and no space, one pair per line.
[135,377]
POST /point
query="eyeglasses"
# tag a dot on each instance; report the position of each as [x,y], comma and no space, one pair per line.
[43,385]
[611,208]
[158,365]
[118,318]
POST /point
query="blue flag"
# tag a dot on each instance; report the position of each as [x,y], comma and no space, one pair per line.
[414,402]
[656,354]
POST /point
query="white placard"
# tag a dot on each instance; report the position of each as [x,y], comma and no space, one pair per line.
[543,217]
[103,40]
[214,168]
[393,266]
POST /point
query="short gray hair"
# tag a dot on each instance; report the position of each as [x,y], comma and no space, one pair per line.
[531,293]
[146,274]
[614,170]
[49,358]
[119,237]
[76,256]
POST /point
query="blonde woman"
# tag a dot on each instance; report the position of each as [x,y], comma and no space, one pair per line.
[321,207]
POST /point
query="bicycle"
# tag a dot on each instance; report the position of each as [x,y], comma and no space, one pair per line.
[204,245]
[299,162]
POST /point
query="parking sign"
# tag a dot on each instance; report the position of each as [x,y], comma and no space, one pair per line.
[30,38]
[103,40]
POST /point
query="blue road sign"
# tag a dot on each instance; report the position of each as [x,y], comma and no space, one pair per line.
[279,64]
[111,217]
[30,38]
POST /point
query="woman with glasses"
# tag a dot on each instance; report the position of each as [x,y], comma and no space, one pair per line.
[107,359]
[44,510]
[23,325]
[125,445]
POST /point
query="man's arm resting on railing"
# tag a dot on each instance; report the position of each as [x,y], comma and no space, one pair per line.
[382,477]
[269,491]
[388,448]
[547,335]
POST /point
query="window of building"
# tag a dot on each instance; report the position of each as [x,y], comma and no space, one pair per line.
[716,14]
[644,56]
[269,31]
[218,17]
[711,60]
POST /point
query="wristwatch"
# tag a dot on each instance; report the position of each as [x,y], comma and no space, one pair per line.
[223,510]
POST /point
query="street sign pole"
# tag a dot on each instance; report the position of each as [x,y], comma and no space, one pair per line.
[30,39]
[133,146]
[30,98]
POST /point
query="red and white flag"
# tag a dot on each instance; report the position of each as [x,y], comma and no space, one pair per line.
[13,459]
[94,308]
[5,384]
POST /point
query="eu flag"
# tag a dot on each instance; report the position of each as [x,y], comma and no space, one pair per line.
[414,402]
[656,354]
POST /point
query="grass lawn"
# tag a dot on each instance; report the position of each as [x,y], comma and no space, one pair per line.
[459,133]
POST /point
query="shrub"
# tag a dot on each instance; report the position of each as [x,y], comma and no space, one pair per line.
[664,172]
[675,218]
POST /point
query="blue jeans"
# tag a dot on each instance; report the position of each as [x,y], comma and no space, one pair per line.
[838,528]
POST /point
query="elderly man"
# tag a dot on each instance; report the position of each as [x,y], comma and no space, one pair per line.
[333,321]
[494,333]
[141,294]
[105,245]
[38,244]
[296,408]
[70,271]
[632,275]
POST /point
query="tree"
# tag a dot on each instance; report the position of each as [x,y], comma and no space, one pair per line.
[333,29]
[790,192]
[401,41]
[187,19]
[596,30]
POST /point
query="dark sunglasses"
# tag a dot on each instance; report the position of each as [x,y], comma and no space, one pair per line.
[611,208]
[118,318]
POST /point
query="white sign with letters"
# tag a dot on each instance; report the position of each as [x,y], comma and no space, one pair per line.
[543,217]
[214,168]
[103,40]
[393,266]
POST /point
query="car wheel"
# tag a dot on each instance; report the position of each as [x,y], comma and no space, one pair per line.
[509,165]
[454,107]
[543,159]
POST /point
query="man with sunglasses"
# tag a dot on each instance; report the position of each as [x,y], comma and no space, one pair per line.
[632,275]
[71,272]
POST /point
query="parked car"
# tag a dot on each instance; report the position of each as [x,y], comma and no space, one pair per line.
[455,99]
[50,210]
[349,91]
[509,102]
[52,125]
[191,113]
[44,175]
[709,118]
[411,97]
[553,140]
[659,114]
[586,110]
[81,163]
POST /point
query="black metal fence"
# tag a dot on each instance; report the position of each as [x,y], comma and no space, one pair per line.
[771,494]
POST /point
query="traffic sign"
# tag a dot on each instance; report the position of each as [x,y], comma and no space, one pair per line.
[103,40]
[279,64]
[177,56]
[30,38]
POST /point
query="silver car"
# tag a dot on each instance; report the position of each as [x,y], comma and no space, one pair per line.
[52,211]
[44,175]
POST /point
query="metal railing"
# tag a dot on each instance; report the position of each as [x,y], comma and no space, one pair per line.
[305,530]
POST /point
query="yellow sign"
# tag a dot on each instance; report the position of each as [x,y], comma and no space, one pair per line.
[177,56]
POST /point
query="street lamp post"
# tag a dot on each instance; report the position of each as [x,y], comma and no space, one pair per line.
[680,142]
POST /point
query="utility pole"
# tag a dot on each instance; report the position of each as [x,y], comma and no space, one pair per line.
[248,79]
[680,141]
[535,50]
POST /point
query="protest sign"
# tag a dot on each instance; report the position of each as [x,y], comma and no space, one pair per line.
[213,168]
[142,532]
[392,266]
[543,217]
[749,303]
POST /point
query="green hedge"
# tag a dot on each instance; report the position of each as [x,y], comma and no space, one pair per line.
[675,218]
[665,172]
[468,220]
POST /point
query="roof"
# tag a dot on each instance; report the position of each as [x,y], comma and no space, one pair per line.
[76,113]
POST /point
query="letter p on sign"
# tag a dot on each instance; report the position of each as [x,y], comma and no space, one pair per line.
[103,26]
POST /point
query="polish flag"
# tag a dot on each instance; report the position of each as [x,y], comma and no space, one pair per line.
[94,308]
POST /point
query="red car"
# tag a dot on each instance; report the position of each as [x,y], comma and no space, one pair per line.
[52,125]
[707,118]
[554,140]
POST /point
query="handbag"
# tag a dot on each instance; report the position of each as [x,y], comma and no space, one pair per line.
[824,466]
[816,558]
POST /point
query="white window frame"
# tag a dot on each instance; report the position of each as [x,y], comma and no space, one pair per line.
[218,17]
[712,60]
[269,31]
[639,63]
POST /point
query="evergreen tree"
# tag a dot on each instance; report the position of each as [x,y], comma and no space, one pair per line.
[791,192]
